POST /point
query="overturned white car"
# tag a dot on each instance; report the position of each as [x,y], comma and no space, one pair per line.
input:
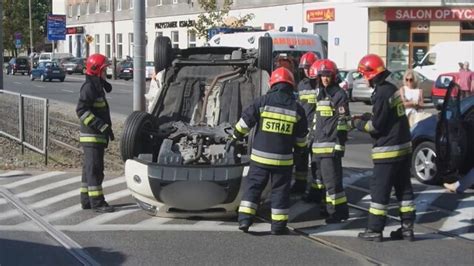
[176,161]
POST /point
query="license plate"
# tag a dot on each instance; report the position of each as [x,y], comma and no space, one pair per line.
[55,71]
[69,68]
[441,101]
[126,71]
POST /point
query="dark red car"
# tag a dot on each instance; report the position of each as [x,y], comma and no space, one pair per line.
[438,91]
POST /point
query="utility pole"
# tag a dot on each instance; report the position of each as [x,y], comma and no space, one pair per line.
[139,55]
[1,45]
[114,59]
[31,34]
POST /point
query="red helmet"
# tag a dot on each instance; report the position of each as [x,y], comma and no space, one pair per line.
[307,60]
[313,70]
[370,66]
[95,64]
[327,67]
[282,74]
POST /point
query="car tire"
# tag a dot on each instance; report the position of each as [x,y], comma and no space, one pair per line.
[423,163]
[265,53]
[134,139]
[163,53]
[31,77]
[43,78]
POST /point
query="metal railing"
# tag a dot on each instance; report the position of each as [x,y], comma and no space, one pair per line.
[25,119]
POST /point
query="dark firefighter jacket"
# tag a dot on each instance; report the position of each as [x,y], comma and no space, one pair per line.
[281,126]
[389,125]
[331,125]
[307,92]
[93,112]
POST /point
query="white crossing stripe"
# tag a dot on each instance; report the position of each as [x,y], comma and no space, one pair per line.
[103,218]
[58,198]
[11,173]
[423,200]
[154,221]
[47,187]
[461,222]
[32,179]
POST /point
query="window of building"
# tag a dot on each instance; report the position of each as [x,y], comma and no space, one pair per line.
[87,8]
[175,39]
[159,2]
[70,43]
[175,2]
[158,33]
[78,10]
[467,31]
[97,6]
[107,45]
[130,43]
[119,45]
[69,11]
[97,43]
[408,43]
[191,38]
[119,5]
[107,5]
[131,4]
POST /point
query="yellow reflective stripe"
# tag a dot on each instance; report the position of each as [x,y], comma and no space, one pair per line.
[267,161]
[301,144]
[377,212]
[88,119]
[301,175]
[323,150]
[343,127]
[368,127]
[407,209]
[280,217]
[391,154]
[84,190]
[92,139]
[240,129]
[323,108]
[99,104]
[338,201]
[317,186]
[247,210]
[309,98]
[95,193]
[339,147]
[283,117]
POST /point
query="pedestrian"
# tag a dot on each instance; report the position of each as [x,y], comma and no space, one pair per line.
[330,135]
[281,127]
[307,98]
[466,80]
[95,133]
[154,91]
[388,126]
[462,184]
[412,97]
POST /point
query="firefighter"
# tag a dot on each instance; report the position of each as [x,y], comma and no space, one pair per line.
[388,126]
[281,127]
[307,98]
[330,134]
[96,131]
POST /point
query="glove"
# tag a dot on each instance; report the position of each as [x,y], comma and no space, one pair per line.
[367,116]
[356,122]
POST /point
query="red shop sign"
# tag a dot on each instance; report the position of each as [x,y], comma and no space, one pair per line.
[419,14]
[318,15]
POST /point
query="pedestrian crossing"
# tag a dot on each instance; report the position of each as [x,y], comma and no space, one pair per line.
[55,196]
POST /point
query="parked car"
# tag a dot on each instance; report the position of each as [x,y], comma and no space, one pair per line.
[348,77]
[176,161]
[125,70]
[18,65]
[74,65]
[438,90]
[48,71]
[149,70]
[362,92]
[456,118]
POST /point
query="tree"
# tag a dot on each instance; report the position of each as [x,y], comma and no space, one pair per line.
[16,20]
[215,16]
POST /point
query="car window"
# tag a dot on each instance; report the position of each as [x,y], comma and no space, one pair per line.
[21,61]
[40,65]
[343,74]
[398,75]
[430,59]
[149,63]
[356,75]
[127,64]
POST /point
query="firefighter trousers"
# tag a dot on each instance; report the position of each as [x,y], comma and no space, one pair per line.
[92,176]
[386,176]
[257,179]
[336,201]
[301,165]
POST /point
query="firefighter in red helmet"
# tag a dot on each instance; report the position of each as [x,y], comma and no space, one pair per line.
[281,128]
[307,98]
[330,134]
[388,126]
[95,133]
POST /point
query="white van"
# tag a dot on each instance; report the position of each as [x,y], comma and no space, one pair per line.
[445,57]
[45,57]
[290,43]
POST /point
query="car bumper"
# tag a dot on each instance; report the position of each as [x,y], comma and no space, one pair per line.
[185,191]
[125,75]
[362,95]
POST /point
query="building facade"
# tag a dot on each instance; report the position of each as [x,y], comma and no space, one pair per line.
[399,31]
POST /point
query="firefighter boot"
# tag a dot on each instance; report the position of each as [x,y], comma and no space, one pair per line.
[245,224]
[312,195]
[405,232]
[298,187]
[103,207]
[282,231]
[370,235]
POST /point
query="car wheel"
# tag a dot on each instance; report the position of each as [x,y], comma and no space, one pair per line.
[423,163]
[163,53]
[265,52]
[136,137]
[43,78]
[31,77]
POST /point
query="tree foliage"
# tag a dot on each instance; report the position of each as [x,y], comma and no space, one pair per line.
[16,19]
[216,16]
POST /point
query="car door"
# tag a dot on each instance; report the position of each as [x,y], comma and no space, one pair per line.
[451,135]
[36,72]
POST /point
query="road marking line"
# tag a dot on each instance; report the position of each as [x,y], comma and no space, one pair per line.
[51,186]
[461,223]
[103,218]
[10,174]
[16,82]
[33,179]
[67,90]
[39,86]
[154,221]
